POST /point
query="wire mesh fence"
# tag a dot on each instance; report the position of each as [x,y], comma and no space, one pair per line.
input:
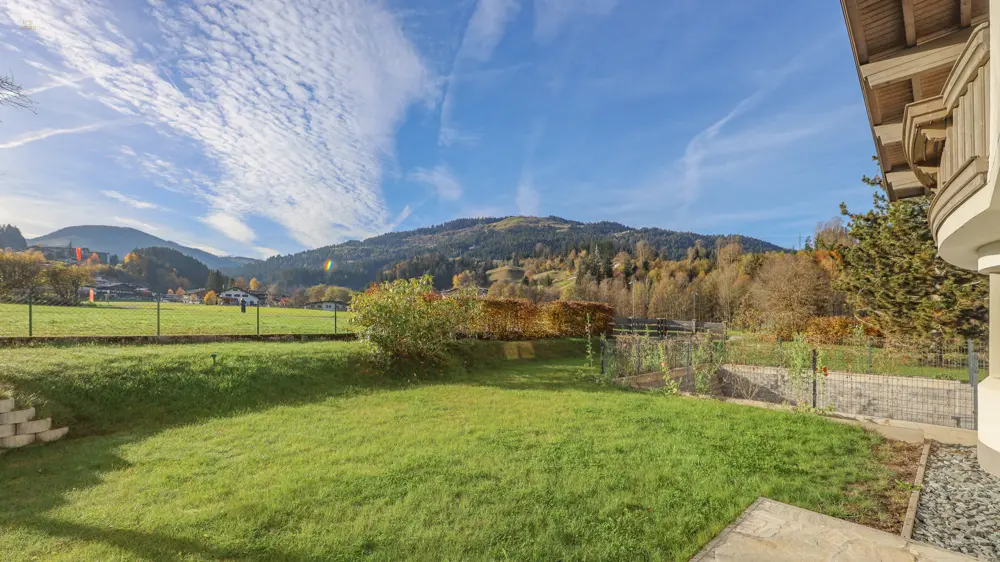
[932,381]
[48,314]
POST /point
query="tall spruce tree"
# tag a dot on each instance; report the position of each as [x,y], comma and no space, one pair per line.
[895,280]
[10,237]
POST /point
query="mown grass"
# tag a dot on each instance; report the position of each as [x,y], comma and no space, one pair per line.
[922,362]
[139,319]
[290,451]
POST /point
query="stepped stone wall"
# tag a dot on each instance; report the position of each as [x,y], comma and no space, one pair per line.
[19,427]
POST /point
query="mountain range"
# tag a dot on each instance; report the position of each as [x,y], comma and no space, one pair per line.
[355,263]
[121,240]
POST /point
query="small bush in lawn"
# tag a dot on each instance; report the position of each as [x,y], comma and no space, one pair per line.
[406,319]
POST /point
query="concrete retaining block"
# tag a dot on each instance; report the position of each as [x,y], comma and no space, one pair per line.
[36,426]
[51,435]
[15,441]
[7,430]
[17,416]
[6,405]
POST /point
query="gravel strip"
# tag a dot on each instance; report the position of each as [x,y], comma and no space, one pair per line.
[959,505]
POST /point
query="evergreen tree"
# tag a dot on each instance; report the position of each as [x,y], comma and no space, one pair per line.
[893,276]
[10,237]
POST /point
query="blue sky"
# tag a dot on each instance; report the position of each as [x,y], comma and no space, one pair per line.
[292,125]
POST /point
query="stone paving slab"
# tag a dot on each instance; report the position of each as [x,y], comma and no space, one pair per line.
[770,531]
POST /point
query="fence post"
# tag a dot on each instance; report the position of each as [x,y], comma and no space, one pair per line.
[603,343]
[870,372]
[974,382]
[31,299]
[158,315]
[258,318]
[690,363]
[638,357]
[335,318]
[814,364]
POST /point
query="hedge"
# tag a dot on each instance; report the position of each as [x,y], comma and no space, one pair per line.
[521,319]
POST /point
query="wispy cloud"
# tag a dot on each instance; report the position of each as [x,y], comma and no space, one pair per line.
[297,135]
[441,179]
[707,142]
[552,15]
[122,198]
[482,35]
[527,198]
[266,252]
[230,226]
[42,134]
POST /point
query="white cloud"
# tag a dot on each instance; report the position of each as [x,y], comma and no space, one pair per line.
[441,179]
[230,226]
[43,134]
[486,28]
[552,15]
[403,215]
[482,35]
[265,252]
[527,198]
[168,234]
[300,131]
[37,216]
[138,225]
[122,198]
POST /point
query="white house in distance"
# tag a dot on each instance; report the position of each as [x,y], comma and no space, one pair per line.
[233,296]
[328,306]
[933,97]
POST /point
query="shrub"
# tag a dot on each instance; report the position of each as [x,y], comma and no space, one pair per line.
[406,319]
[518,319]
[836,330]
[570,318]
[509,319]
[211,298]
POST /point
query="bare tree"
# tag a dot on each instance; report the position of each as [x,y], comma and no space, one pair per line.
[13,95]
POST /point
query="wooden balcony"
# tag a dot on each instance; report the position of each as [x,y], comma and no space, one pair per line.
[963,159]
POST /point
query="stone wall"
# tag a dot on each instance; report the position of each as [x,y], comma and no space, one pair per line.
[19,427]
[918,399]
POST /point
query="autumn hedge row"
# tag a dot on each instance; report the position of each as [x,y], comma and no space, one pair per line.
[517,319]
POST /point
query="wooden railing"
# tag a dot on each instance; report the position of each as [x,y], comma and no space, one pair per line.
[965,157]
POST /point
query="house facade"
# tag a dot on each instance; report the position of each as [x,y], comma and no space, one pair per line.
[234,296]
[933,101]
[328,306]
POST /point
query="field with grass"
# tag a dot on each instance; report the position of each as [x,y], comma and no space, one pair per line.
[950,363]
[508,273]
[295,451]
[176,319]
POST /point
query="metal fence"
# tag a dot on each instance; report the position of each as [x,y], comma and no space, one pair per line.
[933,381]
[44,314]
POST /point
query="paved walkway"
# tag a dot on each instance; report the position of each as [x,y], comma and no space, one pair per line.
[770,531]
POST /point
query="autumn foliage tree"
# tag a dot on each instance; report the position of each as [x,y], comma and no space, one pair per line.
[789,290]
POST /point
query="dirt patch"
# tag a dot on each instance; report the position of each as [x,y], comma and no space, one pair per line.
[881,502]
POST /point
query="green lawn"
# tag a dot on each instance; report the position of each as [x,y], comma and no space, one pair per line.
[139,319]
[292,451]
